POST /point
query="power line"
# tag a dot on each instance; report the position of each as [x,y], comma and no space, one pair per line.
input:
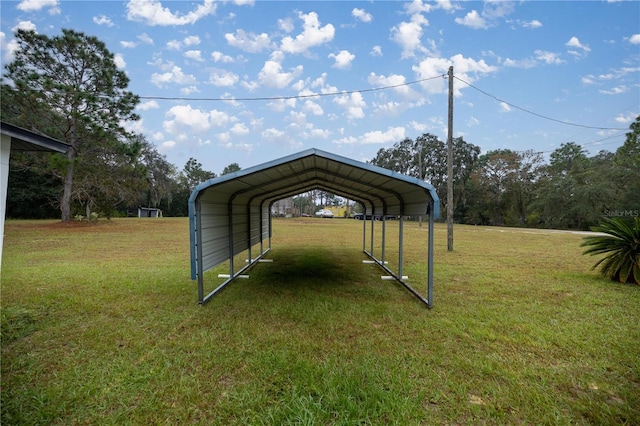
[535,113]
[278,98]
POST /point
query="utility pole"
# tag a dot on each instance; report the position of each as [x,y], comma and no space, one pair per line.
[450,166]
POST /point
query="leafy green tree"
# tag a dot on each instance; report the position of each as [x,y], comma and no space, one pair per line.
[399,158]
[492,181]
[621,247]
[627,163]
[32,192]
[303,203]
[465,156]
[426,158]
[231,168]
[70,84]
[160,175]
[561,199]
[193,174]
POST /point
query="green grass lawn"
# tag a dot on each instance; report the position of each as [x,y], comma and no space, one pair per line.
[100,325]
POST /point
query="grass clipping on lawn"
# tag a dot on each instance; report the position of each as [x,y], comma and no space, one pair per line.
[100,325]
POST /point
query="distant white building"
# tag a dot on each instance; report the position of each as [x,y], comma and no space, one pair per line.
[284,208]
[149,212]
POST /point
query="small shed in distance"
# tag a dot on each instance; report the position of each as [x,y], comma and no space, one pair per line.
[149,212]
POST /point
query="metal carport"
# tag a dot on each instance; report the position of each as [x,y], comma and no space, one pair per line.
[230,214]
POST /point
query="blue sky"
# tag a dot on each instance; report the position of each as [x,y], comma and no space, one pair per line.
[542,73]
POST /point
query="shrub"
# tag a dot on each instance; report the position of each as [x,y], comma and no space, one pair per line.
[621,246]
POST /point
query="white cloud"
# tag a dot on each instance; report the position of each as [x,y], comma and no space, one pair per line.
[151,12]
[144,38]
[271,73]
[540,56]
[25,25]
[272,133]
[195,55]
[519,63]
[389,108]
[320,133]
[493,10]
[362,15]
[418,127]
[464,68]
[588,79]
[634,39]
[531,24]
[417,6]
[376,51]
[408,35]
[473,20]
[392,134]
[220,118]
[312,35]
[504,107]
[183,116]
[548,57]
[184,120]
[391,80]
[472,122]
[249,42]
[576,48]
[174,76]
[280,105]
[178,45]
[312,108]
[103,20]
[615,90]
[174,45]
[145,106]
[167,145]
[9,48]
[223,79]
[239,129]
[221,57]
[118,59]
[128,44]
[191,41]
[352,103]
[626,119]
[286,25]
[342,59]
[575,42]
[241,146]
[189,90]
[35,5]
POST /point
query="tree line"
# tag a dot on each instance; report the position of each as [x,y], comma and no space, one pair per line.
[69,87]
[512,188]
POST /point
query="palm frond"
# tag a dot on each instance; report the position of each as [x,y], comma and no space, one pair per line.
[621,247]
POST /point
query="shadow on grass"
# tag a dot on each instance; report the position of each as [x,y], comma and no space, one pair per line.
[310,275]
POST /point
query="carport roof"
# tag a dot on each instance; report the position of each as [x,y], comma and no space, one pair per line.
[381,191]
